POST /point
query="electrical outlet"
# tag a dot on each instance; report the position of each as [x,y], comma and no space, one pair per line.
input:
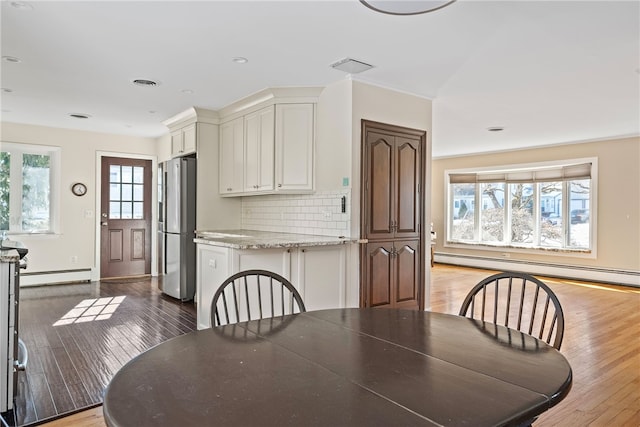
[327,214]
[74,259]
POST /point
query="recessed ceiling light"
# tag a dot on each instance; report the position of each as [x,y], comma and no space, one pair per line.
[495,129]
[79,116]
[21,5]
[6,90]
[145,82]
[240,60]
[187,91]
[11,59]
[351,66]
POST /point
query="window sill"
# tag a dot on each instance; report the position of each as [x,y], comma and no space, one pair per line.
[578,253]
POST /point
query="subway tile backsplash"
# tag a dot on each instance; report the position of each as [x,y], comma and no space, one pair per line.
[319,213]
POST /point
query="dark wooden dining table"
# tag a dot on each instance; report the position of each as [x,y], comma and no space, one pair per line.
[342,367]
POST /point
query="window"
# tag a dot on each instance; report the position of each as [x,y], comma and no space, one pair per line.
[126,192]
[544,207]
[27,174]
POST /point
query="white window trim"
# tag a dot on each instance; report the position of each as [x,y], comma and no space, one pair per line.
[55,170]
[506,250]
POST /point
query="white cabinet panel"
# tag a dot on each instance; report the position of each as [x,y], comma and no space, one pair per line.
[319,273]
[322,276]
[231,162]
[268,151]
[259,139]
[295,131]
[275,260]
[212,269]
[184,141]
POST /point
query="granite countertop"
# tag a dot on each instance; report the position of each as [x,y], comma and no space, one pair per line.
[253,239]
[9,255]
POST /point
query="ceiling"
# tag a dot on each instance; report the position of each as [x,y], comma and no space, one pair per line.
[549,72]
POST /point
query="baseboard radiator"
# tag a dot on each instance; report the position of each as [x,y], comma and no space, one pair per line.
[591,274]
[39,278]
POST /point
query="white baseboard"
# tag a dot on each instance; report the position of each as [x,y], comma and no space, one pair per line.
[54,277]
[591,274]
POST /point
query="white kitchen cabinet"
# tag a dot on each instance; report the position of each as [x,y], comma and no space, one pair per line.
[268,151]
[320,276]
[318,272]
[259,137]
[212,268]
[184,140]
[231,161]
[277,260]
[294,145]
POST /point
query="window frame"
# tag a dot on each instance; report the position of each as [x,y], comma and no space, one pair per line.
[15,189]
[591,252]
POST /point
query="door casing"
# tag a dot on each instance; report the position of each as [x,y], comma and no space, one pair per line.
[95,272]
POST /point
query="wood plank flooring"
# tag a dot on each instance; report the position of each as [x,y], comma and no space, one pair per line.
[602,343]
[78,336]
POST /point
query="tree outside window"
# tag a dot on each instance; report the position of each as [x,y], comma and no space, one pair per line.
[25,188]
[536,208]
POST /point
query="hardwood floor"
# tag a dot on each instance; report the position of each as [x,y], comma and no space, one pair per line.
[78,336]
[601,342]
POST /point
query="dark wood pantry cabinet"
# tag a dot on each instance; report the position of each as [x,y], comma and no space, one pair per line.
[392,206]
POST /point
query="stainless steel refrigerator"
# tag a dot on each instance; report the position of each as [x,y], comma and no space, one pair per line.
[178,225]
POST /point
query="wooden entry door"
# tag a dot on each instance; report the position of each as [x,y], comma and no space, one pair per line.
[392,207]
[125,217]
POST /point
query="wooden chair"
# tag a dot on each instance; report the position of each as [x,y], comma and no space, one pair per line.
[252,295]
[518,301]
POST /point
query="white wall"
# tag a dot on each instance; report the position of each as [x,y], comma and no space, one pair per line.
[78,218]
[341,107]
[333,137]
[212,211]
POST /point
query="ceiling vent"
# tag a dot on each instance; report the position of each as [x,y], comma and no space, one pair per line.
[351,66]
[144,82]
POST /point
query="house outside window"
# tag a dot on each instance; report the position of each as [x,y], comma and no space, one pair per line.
[541,207]
[27,177]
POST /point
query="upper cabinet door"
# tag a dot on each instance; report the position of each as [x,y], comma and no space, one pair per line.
[379,185]
[259,140]
[295,132]
[391,186]
[231,157]
[189,139]
[176,143]
[184,141]
[407,187]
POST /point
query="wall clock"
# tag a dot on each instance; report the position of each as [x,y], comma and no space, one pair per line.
[79,189]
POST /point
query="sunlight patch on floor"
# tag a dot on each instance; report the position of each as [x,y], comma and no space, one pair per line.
[593,286]
[89,310]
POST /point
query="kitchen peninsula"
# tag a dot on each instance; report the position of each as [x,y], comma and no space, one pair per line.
[316,265]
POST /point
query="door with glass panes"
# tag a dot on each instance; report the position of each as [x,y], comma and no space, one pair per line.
[125,217]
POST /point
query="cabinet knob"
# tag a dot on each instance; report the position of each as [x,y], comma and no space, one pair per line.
[279,185]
